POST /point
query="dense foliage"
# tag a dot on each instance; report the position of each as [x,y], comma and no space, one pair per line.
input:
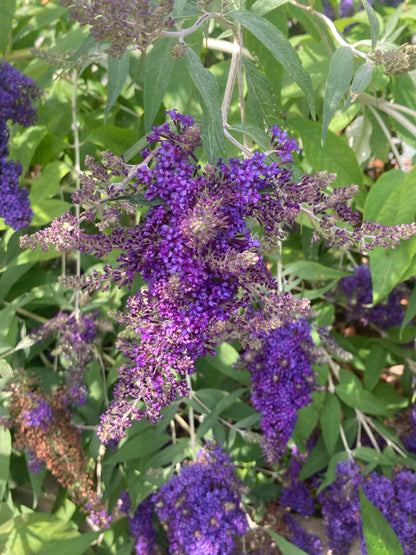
[208,251]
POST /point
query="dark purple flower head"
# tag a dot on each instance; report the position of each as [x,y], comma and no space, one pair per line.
[200,507]
[282,144]
[140,523]
[309,543]
[14,200]
[295,493]
[346,8]
[17,94]
[395,499]
[282,381]
[358,289]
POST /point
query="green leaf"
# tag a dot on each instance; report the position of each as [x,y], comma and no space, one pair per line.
[339,78]
[330,474]
[137,199]
[224,361]
[362,78]
[6,371]
[391,398]
[307,419]
[369,455]
[317,460]
[113,138]
[226,401]
[172,454]
[208,90]
[336,157]
[379,536]
[88,44]
[36,481]
[313,271]
[47,184]
[8,8]
[255,133]
[261,7]
[374,23]
[5,452]
[410,311]
[137,147]
[72,546]
[330,421]
[374,366]
[118,71]
[139,446]
[261,100]
[46,210]
[350,391]
[286,547]
[33,533]
[391,202]
[359,133]
[157,71]
[275,41]
[25,143]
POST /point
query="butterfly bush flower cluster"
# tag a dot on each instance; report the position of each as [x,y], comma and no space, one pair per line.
[359,292]
[77,338]
[296,496]
[122,22]
[200,507]
[17,94]
[199,248]
[282,380]
[42,427]
[140,523]
[395,499]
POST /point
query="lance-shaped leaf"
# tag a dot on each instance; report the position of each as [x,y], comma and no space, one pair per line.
[379,536]
[157,72]
[339,79]
[261,7]
[118,71]
[374,23]
[360,82]
[137,199]
[7,14]
[275,41]
[286,547]
[261,98]
[209,94]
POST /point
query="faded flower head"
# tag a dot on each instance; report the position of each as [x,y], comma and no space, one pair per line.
[397,62]
[42,427]
[122,22]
